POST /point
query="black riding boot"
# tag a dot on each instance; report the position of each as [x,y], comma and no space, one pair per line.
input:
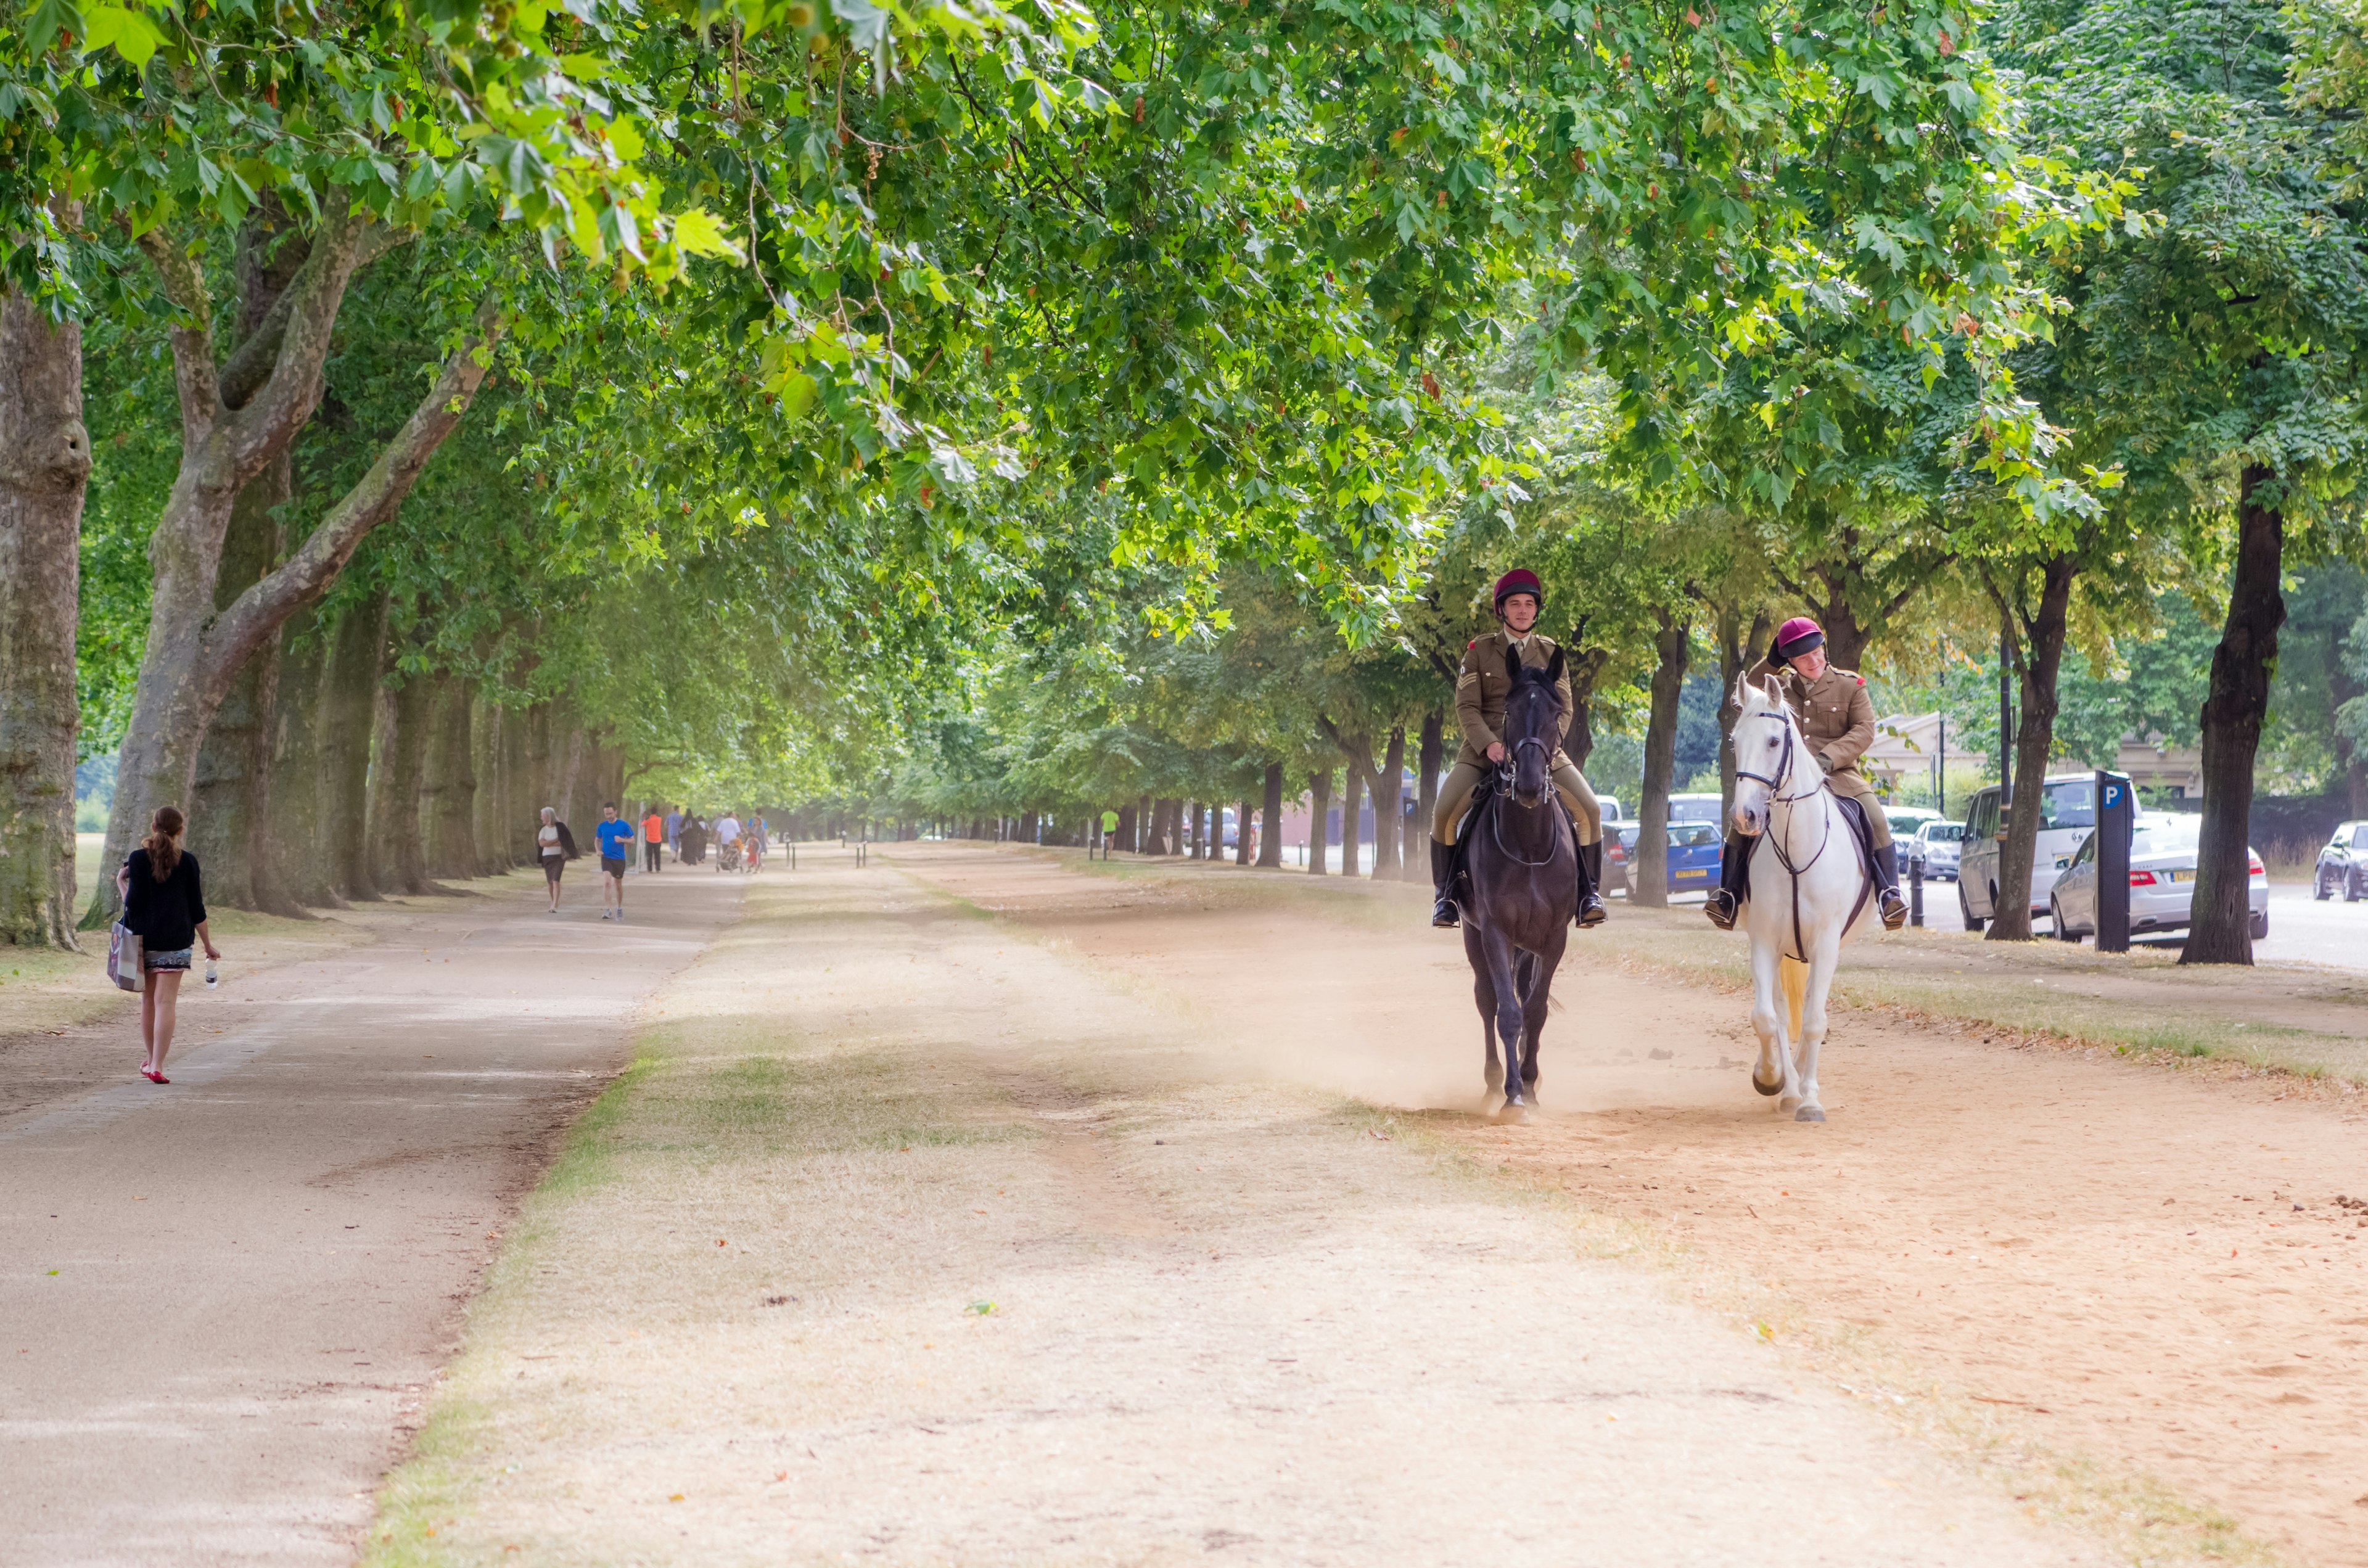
[1886,883]
[1590,884]
[1442,885]
[1725,905]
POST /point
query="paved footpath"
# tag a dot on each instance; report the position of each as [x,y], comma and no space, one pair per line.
[221,1300]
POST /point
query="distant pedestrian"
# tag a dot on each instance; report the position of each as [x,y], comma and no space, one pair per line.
[674,835]
[554,847]
[727,836]
[694,839]
[165,905]
[653,839]
[754,840]
[1109,830]
[616,839]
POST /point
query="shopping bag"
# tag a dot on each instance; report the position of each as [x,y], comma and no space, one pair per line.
[124,954]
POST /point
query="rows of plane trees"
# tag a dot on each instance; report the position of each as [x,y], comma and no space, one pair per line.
[414,412]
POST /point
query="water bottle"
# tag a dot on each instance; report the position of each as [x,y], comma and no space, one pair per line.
[212,979]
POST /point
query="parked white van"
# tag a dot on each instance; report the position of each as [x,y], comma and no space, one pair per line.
[2068,815]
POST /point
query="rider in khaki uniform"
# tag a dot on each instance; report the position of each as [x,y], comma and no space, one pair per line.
[1837,719]
[1480,691]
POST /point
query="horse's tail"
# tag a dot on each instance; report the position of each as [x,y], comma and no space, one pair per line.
[1793,976]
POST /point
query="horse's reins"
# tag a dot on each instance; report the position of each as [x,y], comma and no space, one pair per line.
[1800,953]
[1504,793]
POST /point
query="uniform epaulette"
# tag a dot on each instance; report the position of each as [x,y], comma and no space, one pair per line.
[1473,643]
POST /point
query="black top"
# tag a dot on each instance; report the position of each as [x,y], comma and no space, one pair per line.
[165,914]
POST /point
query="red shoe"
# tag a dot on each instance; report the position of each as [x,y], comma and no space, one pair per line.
[154,1076]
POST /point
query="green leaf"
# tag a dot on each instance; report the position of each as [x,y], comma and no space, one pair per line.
[697,233]
[130,33]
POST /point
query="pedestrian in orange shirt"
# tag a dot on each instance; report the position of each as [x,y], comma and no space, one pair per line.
[653,839]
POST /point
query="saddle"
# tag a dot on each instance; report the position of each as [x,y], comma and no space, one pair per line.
[1853,811]
[1459,880]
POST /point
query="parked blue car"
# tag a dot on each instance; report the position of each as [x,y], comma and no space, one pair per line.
[1694,850]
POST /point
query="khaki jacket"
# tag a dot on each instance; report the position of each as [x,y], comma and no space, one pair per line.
[1835,713]
[1482,686]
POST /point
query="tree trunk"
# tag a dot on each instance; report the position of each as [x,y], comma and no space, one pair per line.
[2235,705]
[229,793]
[2342,687]
[397,860]
[1352,787]
[301,865]
[2042,656]
[1389,794]
[536,774]
[1584,670]
[1122,835]
[229,437]
[1242,831]
[1319,800]
[348,720]
[1430,757]
[44,470]
[490,760]
[451,799]
[1648,868]
[1270,830]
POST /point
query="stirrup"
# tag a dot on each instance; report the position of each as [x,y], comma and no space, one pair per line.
[1894,909]
[1722,907]
[1443,913]
[1591,912]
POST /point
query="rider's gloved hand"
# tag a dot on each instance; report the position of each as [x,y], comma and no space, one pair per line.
[1825,763]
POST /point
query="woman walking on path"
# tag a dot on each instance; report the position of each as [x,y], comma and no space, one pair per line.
[556,847]
[164,904]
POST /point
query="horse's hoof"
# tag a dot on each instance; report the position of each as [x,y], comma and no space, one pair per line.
[1513,1112]
[1775,1088]
[1809,1113]
[1788,1103]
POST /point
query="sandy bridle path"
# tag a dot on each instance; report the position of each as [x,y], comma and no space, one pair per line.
[2096,1275]
[915,1237]
[220,1301]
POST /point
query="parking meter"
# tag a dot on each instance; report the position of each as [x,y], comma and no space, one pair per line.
[2116,819]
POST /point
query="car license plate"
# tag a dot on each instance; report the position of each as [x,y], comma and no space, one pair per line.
[2177,876]
[1695,871]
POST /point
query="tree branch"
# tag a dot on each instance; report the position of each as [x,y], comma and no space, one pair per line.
[255,614]
[278,409]
[193,347]
[251,363]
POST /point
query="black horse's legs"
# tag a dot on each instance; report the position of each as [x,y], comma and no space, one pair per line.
[1525,974]
[1533,1004]
[1500,953]
[1484,995]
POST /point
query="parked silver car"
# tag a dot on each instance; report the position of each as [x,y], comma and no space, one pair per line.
[1935,848]
[2343,864]
[2162,881]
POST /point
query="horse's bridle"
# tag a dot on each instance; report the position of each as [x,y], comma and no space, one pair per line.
[1505,777]
[1783,764]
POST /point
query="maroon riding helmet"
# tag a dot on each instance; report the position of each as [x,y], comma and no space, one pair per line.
[1519,580]
[1798,636]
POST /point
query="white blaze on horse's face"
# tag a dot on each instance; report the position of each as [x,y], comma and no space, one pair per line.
[1761,757]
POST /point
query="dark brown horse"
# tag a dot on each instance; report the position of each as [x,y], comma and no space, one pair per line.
[1524,885]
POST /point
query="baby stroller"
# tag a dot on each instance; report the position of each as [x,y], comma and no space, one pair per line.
[728,857]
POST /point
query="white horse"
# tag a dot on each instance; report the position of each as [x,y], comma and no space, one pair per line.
[1810,892]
